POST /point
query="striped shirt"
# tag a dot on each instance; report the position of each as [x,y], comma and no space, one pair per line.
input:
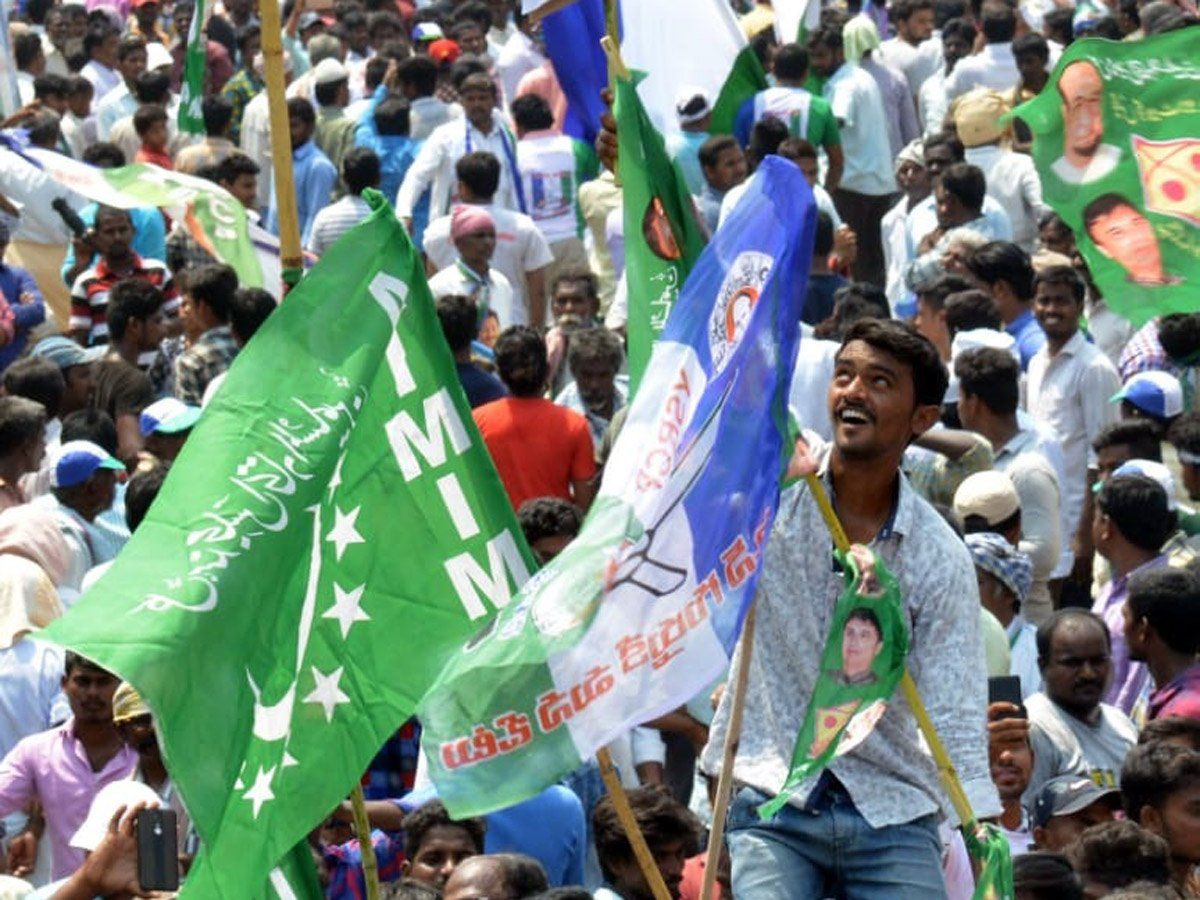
[335,220]
[89,294]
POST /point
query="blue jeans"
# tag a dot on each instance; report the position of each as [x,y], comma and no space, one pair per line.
[829,850]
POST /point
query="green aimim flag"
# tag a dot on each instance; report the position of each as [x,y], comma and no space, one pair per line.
[332,532]
[191,92]
[1116,141]
[663,240]
[986,843]
[861,665]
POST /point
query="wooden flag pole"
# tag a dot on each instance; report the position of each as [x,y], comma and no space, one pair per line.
[641,851]
[716,831]
[363,826]
[291,259]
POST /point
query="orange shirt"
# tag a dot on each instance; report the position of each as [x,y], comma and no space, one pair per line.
[538,448]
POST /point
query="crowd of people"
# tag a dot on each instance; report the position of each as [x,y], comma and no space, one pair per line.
[1020,456]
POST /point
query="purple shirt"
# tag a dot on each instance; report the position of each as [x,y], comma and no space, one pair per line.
[1130,679]
[52,767]
[1178,697]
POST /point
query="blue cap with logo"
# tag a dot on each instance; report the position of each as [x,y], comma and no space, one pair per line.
[77,461]
[167,416]
[1157,394]
[1069,794]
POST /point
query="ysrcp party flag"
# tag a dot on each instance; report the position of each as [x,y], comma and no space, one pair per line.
[216,220]
[331,533]
[990,848]
[663,240]
[643,609]
[1117,147]
[861,665]
[195,60]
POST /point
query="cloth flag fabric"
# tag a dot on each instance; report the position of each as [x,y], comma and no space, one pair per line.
[795,20]
[10,97]
[195,60]
[861,665]
[216,220]
[663,240]
[990,847]
[331,533]
[685,46]
[1116,142]
[644,608]
[572,36]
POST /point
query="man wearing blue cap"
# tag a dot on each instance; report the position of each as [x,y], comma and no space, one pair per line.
[1153,395]
[84,481]
[76,365]
[165,425]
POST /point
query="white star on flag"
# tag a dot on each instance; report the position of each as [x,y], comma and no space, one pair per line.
[344,532]
[346,608]
[260,792]
[327,693]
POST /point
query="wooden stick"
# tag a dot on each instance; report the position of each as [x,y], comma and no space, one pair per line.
[363,827]
[946,770]
[291,260]
[612,781]
[716,831]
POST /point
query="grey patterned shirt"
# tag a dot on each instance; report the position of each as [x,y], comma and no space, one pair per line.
[890,777]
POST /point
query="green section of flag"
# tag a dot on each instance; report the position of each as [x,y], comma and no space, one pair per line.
[663,240]
[1116,142]
[332,532]
[990,848]
[745,79]
[195,61]
[861,665]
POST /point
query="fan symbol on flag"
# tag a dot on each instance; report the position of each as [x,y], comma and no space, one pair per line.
[1170,172]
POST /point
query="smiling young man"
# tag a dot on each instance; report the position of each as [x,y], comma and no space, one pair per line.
[868,825]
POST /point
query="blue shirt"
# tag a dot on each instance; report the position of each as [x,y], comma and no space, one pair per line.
[13,283]
[684,147]
[315,177]
[1028,334]
[149,235]
[549,827]
[480,387]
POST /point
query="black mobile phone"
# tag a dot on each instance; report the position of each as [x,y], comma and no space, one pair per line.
[1004,689]
[157,850]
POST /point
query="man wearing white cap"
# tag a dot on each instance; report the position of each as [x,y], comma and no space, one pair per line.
[1153,395]
[693,111]
[335,130]
[913,179]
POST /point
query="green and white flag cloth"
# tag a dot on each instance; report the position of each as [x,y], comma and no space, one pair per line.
[990,847]
[861,665]
[685,46]
[332,532]
[195,62]
[1116,142]
[795,20]
[663,240]
[213,217]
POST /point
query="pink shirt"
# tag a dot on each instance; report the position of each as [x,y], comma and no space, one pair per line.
[52,767]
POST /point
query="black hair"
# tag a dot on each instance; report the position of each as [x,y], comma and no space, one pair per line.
[866,614]
[967,310]
[795,148]
[1137,505]
[360,170]
[420,72]
[26,48]
[471,80]
[1003,261]
[141,491]
[765,137]
[97,33]
[902,10]
[531,113]
[302,109]
[661,818]
[1118,853]
[959,28]
[152,86]
[710,151]
[410,889]
[1179,334]
[1060,275]
[577,276]
[993,376]
[1042,875]
[245,33]
[1045,631]
[44,128]
[393,116]
[828,36]
[374,72]
[523,875]
[93,425]
[73,661]
[544,517]
[130,298]
[20,420]
[1102,206]
[234,165]
[217,111]
[49,85]
[791,62]
[1184,433]
[946,139]
[595,344]
[967,183]
[476,12]
[130,43]
[998,23]
[326,94]
[521,360]
[251,307]
[459,317]
[1153,772]
[213,285]
[823,241]
[38,379]
[977,524]
[902,341]
[852,303]
[418,823]
[1139,435]
[381,18]
[1171,728]
[147,116]
[1032,44]
[479,171]
[1168,598]
[935,292]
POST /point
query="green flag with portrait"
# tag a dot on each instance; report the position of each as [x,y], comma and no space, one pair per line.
[1116,142]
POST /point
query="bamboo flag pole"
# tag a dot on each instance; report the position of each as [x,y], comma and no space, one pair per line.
[363,826]
[716,832]
[281,145]
[950,780]
[641,851]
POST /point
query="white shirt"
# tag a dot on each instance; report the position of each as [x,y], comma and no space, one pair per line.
[1070,392]
[1110,331]
[116,104]
[1102,162]
[922,219]
[434,166]
[103,78]
[820,195]
[808,394]
[548,172]
[520,249]
[858,107]
[500,293]
[917,63]
[1012,181]
[898,252]
[992,67]
[331,222]
[256,143]
[31,698]
[518,57]
[932,103]
[79,542]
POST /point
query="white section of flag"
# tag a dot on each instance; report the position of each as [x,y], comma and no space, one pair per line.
[791,14]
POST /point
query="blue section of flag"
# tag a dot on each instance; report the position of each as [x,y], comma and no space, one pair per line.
[757,266]
[572,38]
